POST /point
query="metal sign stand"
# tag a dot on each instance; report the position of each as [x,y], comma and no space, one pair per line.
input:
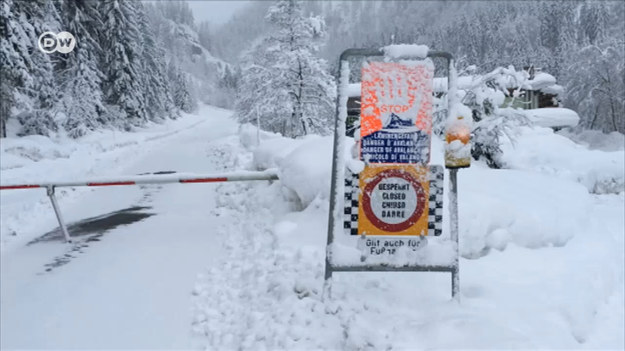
[337,176]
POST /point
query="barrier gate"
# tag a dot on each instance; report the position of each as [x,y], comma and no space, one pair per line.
[386,199]
[167,177]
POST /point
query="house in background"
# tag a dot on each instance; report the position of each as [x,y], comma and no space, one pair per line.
[540,91]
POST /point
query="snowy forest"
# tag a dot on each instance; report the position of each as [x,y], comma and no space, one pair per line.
[134,62]
[275,64]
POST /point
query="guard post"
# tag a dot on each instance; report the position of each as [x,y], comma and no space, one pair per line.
[386,199]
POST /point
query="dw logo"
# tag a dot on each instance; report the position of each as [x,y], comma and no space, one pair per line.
[49,42]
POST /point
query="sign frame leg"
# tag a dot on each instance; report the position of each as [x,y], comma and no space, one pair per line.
[453,216]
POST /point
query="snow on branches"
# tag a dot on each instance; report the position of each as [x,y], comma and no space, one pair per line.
[284,87]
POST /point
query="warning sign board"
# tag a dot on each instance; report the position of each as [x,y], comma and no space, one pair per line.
[396,112]
[396,125]
[393,200]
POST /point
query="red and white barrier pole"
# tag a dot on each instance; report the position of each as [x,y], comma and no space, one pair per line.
[138,180]
[151,179]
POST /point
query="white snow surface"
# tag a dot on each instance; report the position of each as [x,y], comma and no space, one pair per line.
[596,140]
[541,150]
[541,257]
[541,80]
[406,51]
[552,117]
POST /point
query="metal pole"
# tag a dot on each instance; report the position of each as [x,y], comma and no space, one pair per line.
[57,211]
[327,285]
[257,128]
[453,217]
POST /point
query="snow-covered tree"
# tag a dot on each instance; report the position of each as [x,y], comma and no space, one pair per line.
[491,123]
[597,89]
[29,90]
[159,101]
[181,91]
[79,76]
[13,72]
[284,84]
[121,43]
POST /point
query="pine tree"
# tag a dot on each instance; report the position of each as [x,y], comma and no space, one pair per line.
[79,76]
[159,102]
[12,65]
[284,84]
[122,67]
[181,91]
[27,76]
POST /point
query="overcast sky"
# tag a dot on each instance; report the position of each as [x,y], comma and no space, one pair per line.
[216,12]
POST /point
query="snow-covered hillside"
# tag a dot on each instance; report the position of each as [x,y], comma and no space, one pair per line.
[240,265]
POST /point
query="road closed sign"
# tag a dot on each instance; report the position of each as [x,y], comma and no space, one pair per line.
[393,201]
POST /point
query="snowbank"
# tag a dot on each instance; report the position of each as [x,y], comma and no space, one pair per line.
[500,207]
[304,165]
[528,207]
[554,279]
[249,134]
[596,140]
[541,150]
[552,117]
[308,169]
[271,152]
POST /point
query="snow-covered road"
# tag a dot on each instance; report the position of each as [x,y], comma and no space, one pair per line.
[132,287]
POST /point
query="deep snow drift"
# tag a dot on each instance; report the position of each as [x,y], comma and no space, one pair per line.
[542,268]
[240,265]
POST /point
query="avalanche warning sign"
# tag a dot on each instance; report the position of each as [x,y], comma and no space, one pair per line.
[396,112]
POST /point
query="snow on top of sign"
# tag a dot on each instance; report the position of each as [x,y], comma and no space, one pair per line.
[406,51]
[553,117]
[353,90]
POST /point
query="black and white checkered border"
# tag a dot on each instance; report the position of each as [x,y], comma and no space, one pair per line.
[435,213]
[350,222]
